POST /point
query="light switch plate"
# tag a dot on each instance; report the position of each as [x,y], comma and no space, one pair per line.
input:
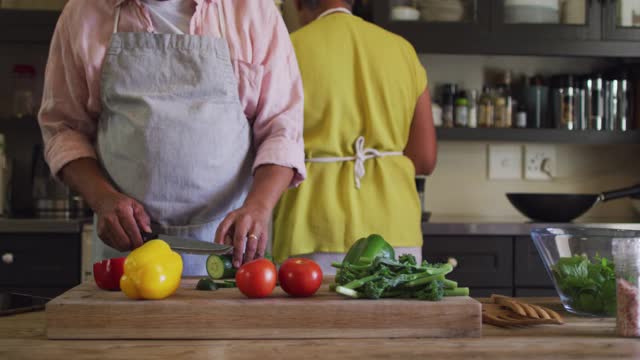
[505,162]
[540,162]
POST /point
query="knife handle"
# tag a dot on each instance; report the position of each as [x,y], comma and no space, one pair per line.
[148,236]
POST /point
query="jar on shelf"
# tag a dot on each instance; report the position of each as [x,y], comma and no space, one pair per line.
[24,77]
[626,256]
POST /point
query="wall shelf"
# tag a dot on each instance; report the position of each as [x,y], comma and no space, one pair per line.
[551,136]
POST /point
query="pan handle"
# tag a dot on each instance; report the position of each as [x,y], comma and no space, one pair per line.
[617,194]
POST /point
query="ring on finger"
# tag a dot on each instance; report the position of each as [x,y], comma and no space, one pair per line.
[252,236]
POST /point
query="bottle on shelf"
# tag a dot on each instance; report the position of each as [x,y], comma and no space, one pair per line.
[521,117]
[580,104]
[537,99]
[610,104]
[563,101]
[461,115]
[503,103]
[485,108]
[623,105]
[595,102]
[473,109]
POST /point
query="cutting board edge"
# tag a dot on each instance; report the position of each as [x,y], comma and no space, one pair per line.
[77,303]
[65,334]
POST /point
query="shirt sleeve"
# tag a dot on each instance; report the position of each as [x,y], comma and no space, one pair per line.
[278,123]
[420,72]
[68,129]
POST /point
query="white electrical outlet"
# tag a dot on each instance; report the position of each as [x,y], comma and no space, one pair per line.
[505,162]
[539,162]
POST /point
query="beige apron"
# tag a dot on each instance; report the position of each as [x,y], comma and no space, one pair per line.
[173,134]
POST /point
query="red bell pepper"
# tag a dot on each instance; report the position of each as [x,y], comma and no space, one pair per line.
[107,273]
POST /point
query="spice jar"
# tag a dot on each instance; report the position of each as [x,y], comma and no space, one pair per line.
[626,255]
[563,102]
[23,85]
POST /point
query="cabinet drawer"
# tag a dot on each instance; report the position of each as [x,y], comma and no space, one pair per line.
[485,293]
[529,269]
[40,260]
[483,261]
[531,292]
[50,292]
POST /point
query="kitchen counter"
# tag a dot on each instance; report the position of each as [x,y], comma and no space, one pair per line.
[62,226]
[23,337]
[473,226]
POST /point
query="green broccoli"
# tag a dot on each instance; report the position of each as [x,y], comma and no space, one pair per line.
[388,277]
[407,259]
[433,291]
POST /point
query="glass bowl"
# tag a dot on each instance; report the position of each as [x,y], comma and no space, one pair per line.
[580,263]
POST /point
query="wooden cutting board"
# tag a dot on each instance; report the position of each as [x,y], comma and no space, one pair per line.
[86,312]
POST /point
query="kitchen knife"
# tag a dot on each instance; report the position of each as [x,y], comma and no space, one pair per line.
[186,245]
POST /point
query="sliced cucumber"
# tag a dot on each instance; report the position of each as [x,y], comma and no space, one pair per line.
[226,284]
[220,267]
[206,284]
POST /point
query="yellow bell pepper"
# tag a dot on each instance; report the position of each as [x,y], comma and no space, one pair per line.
[152,271]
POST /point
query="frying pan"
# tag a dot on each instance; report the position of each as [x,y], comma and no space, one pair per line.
[563,207]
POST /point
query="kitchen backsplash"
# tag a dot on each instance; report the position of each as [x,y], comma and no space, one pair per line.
[460,186]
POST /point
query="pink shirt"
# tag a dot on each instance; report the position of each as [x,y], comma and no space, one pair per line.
[263,58]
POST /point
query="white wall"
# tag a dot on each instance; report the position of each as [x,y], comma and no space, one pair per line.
[460,186]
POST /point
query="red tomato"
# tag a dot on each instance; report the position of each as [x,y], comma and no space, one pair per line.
[107,273]
[300,277]
[256,279]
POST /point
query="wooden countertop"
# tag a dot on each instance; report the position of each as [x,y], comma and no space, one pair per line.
[23,337]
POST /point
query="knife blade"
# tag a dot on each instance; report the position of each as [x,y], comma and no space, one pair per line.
[186,245]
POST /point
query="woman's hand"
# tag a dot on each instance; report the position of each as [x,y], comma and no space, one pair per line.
[247,230]
[120,219]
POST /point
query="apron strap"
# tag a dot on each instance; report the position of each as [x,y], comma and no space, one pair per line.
[362,154]
[333,11]
[221,22]
[117,20]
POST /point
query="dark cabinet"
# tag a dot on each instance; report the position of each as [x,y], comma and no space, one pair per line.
[487,292]
[488,265]
[535,292]
[27,26]
[444,34]
[40,263]
[483,262]
[512,26]
[580,28]
[528,267]
[621,20]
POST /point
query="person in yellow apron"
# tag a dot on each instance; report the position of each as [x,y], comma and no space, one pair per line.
[368,131]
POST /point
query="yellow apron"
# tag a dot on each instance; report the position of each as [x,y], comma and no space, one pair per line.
[361,84]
